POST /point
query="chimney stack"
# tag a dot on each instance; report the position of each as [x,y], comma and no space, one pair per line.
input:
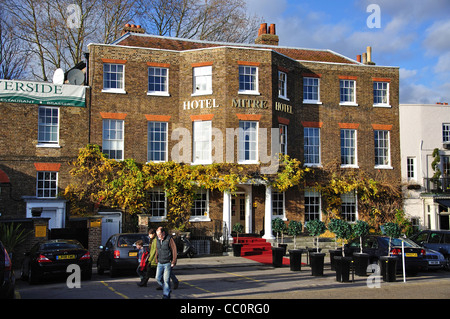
[132,28]
[367,57]
[267,36]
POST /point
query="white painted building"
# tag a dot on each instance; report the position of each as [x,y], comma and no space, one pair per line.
[424,128]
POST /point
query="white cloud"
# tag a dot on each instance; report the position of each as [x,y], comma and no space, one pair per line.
[437,37]
[443,64]
[405,74]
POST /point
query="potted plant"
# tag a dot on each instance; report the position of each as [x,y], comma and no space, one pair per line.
[295,255]
[316,228]
[12,236]
[238,228]
[279,227]
[361,229]
[389,264]
[343,231]
[332,226]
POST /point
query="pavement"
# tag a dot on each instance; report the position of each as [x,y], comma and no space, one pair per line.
[427,285]
[224,261]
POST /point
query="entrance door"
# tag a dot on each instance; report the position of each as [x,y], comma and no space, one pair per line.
[111,224]
[444,222]
[238,209]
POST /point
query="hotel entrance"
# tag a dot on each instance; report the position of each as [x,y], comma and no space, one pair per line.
[238,209]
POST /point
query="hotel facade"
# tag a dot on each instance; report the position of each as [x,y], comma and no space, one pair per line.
[242,103]
[157,99]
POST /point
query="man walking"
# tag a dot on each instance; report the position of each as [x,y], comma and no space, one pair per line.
[166,256]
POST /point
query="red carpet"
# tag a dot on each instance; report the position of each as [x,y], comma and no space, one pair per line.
[257,249]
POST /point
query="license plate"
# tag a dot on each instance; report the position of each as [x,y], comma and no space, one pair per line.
[64,257]
[132,254]
[433,262]
[410,254]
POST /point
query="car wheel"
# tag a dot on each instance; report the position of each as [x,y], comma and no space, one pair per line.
[112,271]
[100,269]
[33,277]
[23,273]
[87,275]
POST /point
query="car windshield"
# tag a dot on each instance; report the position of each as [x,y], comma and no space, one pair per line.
[398,242]
[130,239]
[61,245]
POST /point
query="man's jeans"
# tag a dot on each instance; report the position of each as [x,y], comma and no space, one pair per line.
[163,272]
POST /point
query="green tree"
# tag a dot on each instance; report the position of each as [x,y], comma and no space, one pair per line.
[294,229]
[316,228]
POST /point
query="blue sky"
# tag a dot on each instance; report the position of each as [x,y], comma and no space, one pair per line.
[414,35]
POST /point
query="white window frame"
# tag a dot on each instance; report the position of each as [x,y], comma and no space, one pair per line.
[278,205]
[46,182]
[117,142]
[307,154]
[282,85]
[384,93]
[411,174]
[198,205]
[349,86]
[151,138]
[46,123]
[311,192]
[202,142]
[245,131]
[246,72]
[307,84]
[445,132]
[202,80]
[354,148]
[164,81]
[349,201]
[158,191]
[381,147]
[283,138]
[121,87]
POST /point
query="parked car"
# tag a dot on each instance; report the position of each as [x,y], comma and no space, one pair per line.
[377,246]
[437,240]
[435,259]
[7,279]
[52,257]
[120,253]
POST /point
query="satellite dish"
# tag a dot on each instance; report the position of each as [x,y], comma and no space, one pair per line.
[58,76]
[75,77]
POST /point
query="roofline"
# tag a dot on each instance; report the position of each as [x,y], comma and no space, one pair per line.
[236,46]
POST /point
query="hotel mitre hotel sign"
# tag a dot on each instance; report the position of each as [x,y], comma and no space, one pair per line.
[42,93]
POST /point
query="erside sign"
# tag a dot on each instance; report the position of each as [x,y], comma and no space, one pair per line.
[42,93]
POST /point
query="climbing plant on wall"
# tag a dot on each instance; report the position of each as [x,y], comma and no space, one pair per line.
[98,180]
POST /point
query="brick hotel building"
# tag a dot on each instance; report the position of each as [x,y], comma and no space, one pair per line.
[326,106]
[144,90]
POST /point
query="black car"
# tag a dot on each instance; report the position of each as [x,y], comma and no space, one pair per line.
[53,256]
[120,253]
[438,240]
[7,279]
[378,246]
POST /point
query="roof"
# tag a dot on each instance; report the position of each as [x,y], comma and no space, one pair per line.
[178,44]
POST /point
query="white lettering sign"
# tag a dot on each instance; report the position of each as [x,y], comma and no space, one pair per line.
[14,91]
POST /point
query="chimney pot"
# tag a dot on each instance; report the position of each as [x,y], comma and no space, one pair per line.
[272,29]
[369,54]
[358,58]
[364,58]
[262,29]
